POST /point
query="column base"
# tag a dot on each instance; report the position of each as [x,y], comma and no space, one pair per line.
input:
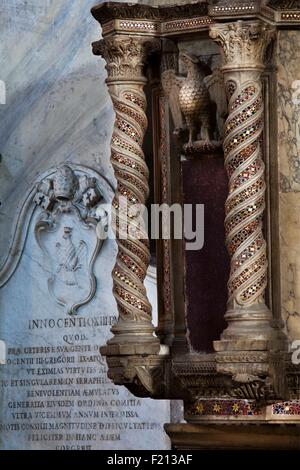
[241,344]
[234,437]
[252,351]
[141,348]
[131,339]
[251,329]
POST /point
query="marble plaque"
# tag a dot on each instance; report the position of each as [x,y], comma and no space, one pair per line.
[56,310]
[287,62]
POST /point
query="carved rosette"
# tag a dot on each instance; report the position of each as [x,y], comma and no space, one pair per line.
[244,44]
[126,58]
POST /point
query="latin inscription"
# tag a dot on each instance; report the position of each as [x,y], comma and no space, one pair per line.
[58,396]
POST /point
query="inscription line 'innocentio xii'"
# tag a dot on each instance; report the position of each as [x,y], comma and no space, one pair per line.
[69,322]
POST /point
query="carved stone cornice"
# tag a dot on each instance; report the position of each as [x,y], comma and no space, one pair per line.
[126,56]
[282,12]
[123,18]
[207,376]
[113,10]
[284,4]
[176,20]
[243,43]
[275,11]
[193,376]
[215,397]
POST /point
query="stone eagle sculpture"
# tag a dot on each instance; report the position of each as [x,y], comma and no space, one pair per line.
[193,100]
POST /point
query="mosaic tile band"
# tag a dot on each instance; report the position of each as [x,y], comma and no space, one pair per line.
[239,408]
[246,201]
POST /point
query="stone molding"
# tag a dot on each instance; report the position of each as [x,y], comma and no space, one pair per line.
[174,20]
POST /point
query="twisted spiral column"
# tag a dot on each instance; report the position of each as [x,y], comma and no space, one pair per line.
[243,45]
[126,57]
[246,201]
[132,175]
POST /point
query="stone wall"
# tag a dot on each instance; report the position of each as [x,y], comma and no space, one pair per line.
[288,59]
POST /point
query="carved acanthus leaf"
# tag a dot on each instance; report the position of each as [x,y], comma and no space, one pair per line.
[125,56]
[243,42]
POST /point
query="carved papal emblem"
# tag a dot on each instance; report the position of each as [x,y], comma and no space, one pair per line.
[70,231]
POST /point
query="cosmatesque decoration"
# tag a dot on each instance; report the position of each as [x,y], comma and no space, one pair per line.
[163,149]
[234,7]
[244,44]
[126,58]
[167,21]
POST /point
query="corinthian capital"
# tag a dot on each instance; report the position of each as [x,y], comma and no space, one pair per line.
[243,42]
[125,56]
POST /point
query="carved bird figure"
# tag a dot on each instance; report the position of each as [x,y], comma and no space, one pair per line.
[189,98]
[195,100]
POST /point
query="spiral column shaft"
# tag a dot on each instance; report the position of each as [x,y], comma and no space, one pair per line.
[126,57]
[246,201]
[243,45]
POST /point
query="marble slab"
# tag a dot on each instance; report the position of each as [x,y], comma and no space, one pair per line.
[57,107]
[288,93]
[56,309]
[56,302]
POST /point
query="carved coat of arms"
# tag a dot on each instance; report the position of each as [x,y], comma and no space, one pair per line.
[70,231]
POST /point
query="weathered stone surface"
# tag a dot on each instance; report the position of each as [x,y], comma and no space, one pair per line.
[55,393]
[289,164]
[54,390]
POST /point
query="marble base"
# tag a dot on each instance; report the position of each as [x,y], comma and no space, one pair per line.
[233,437]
